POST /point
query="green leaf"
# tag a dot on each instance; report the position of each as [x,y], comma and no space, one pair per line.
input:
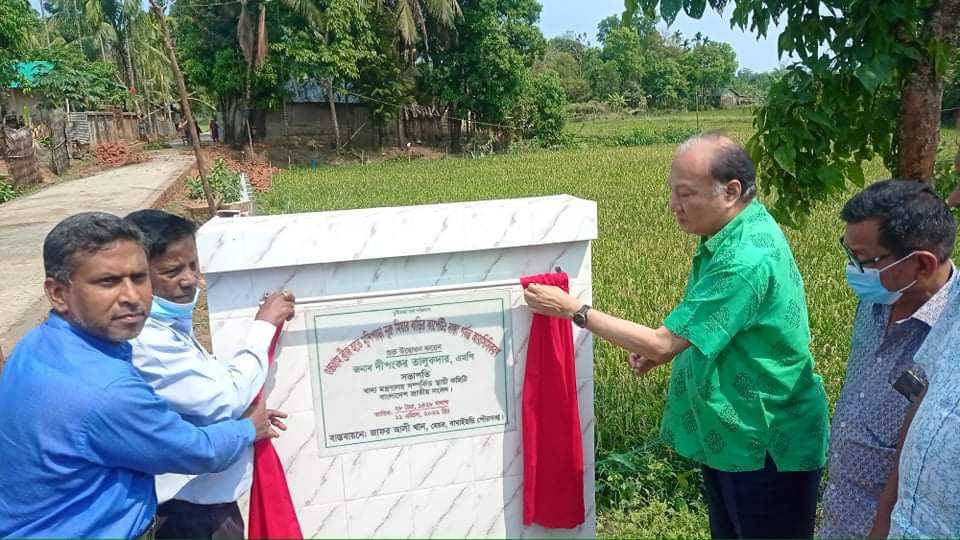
[940,51]
[669,10]
[855,173]
[830,175]
[786,157]
[625,460]
[695,8]
[785,43]
[819,118]
[867,77]
[876,72]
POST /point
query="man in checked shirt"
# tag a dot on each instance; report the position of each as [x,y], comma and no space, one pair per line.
[898,241]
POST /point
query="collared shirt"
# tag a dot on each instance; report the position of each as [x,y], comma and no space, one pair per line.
[870,412]
[203,391]
[745,387]
[928,499]
[83,435]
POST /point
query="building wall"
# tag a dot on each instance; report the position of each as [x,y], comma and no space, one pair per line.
[314,120]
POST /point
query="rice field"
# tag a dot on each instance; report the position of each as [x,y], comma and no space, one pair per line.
[640,262]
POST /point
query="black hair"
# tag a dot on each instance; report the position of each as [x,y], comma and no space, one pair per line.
[87,232]
[160,229]
[911,216]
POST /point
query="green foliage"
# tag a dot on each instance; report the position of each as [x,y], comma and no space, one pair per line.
[750,83]
[667,134]
[809,148]
[709,65]
[483,67]
[224,181]
[88,85]
[7,191]
[17,21]
[837,107]
[540,113]
[568,71]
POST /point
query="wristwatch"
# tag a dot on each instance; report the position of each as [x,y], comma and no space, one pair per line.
[580,316]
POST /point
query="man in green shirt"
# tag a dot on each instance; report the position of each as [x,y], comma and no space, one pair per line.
[744,401]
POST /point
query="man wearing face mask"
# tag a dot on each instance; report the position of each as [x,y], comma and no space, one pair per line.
[744,400]
[201,388]
[898,240]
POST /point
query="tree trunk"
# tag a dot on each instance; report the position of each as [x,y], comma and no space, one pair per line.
[454,126]
[401,132]
[333,112]
[185,103]
[233,125]
[919,131]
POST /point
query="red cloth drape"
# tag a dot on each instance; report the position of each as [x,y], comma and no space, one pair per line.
[552,442]
[272,514]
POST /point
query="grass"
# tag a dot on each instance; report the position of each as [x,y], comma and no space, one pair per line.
[640,262]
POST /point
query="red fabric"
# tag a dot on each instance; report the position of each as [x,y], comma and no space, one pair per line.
[271,508]
[552,443]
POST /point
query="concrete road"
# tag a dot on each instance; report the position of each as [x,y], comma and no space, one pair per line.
[25,221]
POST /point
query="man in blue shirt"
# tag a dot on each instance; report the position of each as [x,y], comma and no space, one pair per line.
[83,434]
[899,237]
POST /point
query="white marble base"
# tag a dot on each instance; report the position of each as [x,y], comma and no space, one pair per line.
[461,487]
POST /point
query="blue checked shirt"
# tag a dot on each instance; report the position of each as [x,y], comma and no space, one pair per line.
[868,415]
[928,499]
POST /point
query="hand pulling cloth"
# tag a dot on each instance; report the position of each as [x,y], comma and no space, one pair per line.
[271,508]
[552,442]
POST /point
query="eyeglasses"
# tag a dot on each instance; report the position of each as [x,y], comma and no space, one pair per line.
[857,263]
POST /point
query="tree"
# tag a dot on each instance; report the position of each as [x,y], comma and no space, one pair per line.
[87,85]
[868,81]
[413,16]
[643,24]
[623,54]
[184,103]
[480,68]
[564,59]
[17,21]
[709,66]
[540,114]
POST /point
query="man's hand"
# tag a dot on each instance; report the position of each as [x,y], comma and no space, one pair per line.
[642,365]
[262,421]
[277,308]
[551,301]
[275,417]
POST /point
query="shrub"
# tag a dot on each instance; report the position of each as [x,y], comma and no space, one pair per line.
[647,136]
[7,191]
[224,181]
[540,113]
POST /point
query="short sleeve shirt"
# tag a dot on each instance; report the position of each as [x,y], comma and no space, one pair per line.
[928,500]
[746,386]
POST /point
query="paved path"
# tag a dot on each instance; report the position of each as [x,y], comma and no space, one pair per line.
[25,221]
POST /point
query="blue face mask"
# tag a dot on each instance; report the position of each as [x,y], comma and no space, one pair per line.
[868,286]
[166,309]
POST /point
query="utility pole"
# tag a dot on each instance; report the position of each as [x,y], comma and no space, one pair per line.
[185,104]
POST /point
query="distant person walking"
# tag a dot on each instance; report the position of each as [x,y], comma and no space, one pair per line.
[214,130]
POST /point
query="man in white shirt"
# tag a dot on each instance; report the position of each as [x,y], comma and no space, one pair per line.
[201,388]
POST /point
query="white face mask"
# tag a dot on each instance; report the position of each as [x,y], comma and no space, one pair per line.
[869,288]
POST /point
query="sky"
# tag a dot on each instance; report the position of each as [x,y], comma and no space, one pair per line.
[582,16]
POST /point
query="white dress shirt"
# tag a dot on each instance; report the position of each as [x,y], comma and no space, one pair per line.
[203,390]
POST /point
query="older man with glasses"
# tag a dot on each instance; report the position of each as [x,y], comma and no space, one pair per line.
[898,241]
